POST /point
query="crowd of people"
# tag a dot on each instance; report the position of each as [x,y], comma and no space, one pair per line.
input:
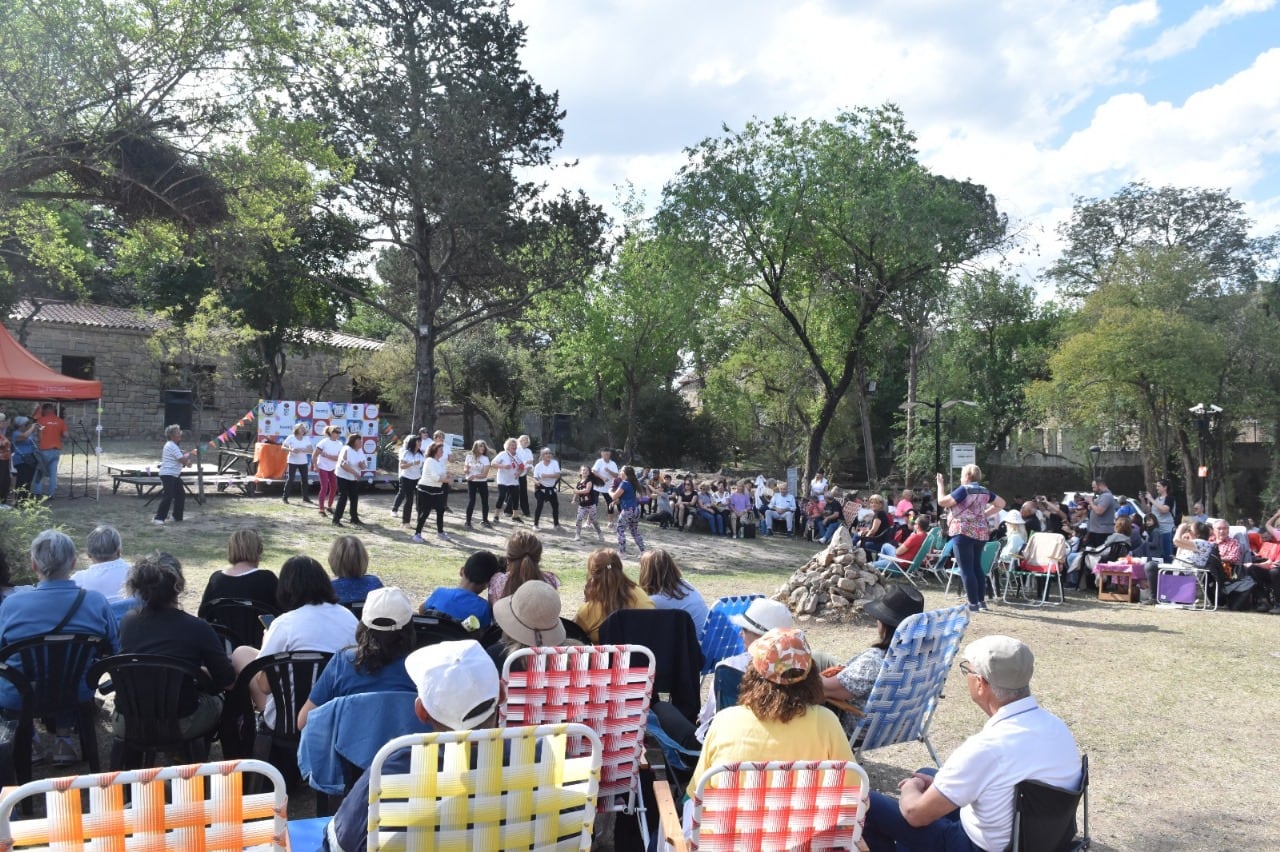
[793,703]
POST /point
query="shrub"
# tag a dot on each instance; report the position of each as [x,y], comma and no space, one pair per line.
[18,526]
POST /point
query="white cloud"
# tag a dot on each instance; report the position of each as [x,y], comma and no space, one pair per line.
[1185,36]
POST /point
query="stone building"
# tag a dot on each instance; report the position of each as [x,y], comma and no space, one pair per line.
[112,345]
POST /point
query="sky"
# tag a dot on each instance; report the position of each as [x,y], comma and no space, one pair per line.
[1042,101]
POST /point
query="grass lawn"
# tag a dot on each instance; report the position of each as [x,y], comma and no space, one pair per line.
[1177,710]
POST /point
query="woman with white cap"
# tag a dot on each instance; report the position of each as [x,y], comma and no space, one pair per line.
[375,663]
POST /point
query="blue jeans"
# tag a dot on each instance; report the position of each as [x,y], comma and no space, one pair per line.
[969,560]
[714,521]
[46,469]
[889,550]
[1166,546]
[887,831]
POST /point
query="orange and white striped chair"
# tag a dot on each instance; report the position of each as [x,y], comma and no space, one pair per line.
[194,808]
[605,687]
[780,805]
[495,788]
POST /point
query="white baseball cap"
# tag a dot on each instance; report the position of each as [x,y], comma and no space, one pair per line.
[764,615]
[457,682]
[386,609]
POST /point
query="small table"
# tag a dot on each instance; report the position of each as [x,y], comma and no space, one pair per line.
[1118,581]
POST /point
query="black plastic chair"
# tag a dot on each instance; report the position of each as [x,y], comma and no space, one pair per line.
[150,691]
[56,666]
[290,676]
[15,735]
[430,629]
[229,638]
[1044,817]
[242,616]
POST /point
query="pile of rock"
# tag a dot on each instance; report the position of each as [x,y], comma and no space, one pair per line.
[833,585]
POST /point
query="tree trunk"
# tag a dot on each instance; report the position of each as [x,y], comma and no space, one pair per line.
[629,448]
[864,414]
[424,354]
[830,402]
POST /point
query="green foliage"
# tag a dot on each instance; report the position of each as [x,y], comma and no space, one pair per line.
[18,526]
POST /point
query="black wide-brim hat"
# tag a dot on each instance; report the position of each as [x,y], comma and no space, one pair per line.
[899,602]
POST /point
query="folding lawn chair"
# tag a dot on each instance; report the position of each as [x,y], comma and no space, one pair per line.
[990,551]
[914,671]
[194,808]
[720,637]
[606,687]
[513,788]
[780,805]
[914,567]
[1043,561]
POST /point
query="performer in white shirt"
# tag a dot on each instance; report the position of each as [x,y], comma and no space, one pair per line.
[508,466]
[525,455]
[606,470]
[298,446]
[546,476]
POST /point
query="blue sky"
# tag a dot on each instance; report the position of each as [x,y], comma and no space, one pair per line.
[1041,100]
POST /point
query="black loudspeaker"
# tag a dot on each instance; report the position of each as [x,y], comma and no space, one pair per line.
[561,428]
[177,408]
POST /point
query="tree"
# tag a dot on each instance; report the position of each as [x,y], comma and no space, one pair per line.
[429,104]
[823,222]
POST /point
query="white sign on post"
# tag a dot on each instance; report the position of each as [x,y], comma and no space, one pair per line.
[963,454]
[793,475]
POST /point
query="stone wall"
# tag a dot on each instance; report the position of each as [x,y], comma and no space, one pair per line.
[132,399]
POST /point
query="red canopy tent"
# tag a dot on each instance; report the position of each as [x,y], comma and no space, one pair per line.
[24,376]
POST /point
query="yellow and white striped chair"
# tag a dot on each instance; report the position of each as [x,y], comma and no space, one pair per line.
[496,788]
[200,807]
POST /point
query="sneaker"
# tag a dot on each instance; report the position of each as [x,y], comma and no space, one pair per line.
[1275,610]
[64,752]
[443,536]
[974,608]
[416,539]
[487,525]
[983,605]
[577,538]
[468,526]
[157,522]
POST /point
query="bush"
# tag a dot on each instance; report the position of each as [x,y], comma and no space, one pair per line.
[18,526]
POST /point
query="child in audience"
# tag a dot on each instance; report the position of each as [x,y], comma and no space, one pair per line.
[464,599]
[349,562]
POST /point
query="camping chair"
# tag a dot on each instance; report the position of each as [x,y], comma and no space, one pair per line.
[149,691]
[16,732]
[290,676]
[239,615]
[914,567]
[1043,561]
[491,788]
[192,808]
[990,551]
[726,683]
[672,641]
[1044,817]
[1181,584]
[802,804]
[433,629]
[906,691]
[607,688]
[343,734]
[55,666]
[720,637]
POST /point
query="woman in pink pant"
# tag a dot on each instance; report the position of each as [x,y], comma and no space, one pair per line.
[324,459]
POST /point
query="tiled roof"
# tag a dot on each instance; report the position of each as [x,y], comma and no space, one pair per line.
[106,316]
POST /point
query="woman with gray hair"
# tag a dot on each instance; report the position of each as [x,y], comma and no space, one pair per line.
[172,461]
[108,572]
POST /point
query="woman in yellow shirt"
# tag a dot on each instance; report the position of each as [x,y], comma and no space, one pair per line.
[608,590]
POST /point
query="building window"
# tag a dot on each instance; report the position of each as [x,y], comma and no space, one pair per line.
[78,367]
[200,379]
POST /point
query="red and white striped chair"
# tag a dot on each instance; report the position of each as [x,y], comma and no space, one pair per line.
[194,808]
[605,687]
[780,805]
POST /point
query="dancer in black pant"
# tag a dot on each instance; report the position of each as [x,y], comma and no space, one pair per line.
[430,490]
[546,476]
[410,472]
[351,465]
[476,465]
[298,446]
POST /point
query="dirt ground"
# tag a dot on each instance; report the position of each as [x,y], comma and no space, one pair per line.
[1174,708]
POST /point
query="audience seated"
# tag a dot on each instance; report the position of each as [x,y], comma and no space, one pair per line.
[524,560]
[55,605]
[384,637]
[607,590]
[349,562]
[782,506]
[463,600]
[906,551]
[457,690]
[107,572]
[530,618]
[242,578]
[159,626]
[311,620]
[662,581]
[761,616]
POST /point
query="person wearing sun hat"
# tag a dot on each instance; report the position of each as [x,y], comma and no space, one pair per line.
[529,619]
[455,689]
[968,803]
[376,663]
[851,683]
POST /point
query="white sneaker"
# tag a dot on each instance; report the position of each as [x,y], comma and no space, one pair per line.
[577,538]
[157,522]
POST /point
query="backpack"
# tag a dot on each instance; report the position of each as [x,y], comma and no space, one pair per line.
[1240,594]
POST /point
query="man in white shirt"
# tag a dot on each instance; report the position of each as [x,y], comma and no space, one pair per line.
[781,505]
[607,469]
[969,803]
[108,571]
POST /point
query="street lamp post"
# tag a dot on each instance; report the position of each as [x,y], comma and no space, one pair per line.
[1095,453]
[1205,417]
[937,407]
